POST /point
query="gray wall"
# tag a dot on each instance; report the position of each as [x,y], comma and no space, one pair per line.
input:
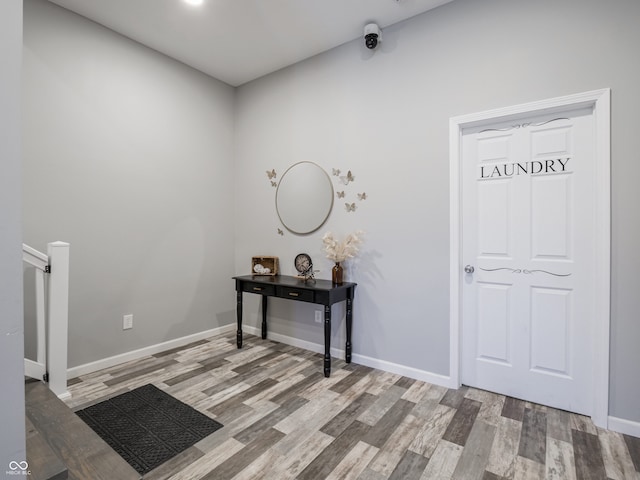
[128,156]
[12,438]
[385,116]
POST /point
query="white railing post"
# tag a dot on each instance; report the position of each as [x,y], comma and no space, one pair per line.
[58,317]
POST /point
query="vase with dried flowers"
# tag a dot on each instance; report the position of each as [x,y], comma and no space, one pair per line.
[341,251]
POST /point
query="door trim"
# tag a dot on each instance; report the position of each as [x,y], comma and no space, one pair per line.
[600,101]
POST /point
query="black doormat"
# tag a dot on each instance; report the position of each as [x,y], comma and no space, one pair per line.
[147,426]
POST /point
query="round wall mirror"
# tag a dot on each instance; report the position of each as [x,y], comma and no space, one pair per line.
[304,198]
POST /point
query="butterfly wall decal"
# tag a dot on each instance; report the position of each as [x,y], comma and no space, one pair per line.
[350,207]
[280,232]
[340,194]
[274,184]
[362,196]
[335,172]
[347,178]
[271,174]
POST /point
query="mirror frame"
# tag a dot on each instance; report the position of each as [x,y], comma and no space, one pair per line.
[321,221]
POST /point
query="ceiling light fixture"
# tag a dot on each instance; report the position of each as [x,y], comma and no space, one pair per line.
[194,2]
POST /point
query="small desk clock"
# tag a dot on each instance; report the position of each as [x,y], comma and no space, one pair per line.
[304,266]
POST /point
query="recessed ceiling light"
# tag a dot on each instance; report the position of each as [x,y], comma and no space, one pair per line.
[194,2]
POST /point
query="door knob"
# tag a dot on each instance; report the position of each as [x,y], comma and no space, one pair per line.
[469,269]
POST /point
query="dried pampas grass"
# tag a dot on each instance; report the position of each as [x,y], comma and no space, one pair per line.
[340,251]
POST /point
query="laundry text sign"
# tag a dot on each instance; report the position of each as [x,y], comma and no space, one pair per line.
[534,167]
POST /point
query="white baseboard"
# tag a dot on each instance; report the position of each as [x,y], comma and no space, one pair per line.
[437,379]
[627,427]
[383,365]
[146,351]
[410,372]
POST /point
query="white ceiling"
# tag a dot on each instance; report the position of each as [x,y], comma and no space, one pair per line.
[237,41]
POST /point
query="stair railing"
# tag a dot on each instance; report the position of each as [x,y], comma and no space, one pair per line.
[52,315]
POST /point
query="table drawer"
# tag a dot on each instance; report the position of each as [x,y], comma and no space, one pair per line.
[259,288]
[296,294]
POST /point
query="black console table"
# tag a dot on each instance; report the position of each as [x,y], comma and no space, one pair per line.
[322,292]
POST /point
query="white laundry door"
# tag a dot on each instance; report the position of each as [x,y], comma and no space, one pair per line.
[528,243]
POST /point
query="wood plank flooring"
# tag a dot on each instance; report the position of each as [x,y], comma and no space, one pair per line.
[284,420]
[65,446]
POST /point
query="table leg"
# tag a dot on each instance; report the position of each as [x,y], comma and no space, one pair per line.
[239,315]
[347,349]
[327,340]
[264,317]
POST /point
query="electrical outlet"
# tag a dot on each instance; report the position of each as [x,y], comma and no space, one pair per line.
[318,316]
[127,322]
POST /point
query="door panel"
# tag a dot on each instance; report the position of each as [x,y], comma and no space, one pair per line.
[494,218]
[551,212]
[551,320]
[493,322]
[555,141]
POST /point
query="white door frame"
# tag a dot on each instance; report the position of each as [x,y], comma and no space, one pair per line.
[599,100]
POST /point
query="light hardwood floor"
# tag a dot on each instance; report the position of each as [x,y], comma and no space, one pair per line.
[282,419]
